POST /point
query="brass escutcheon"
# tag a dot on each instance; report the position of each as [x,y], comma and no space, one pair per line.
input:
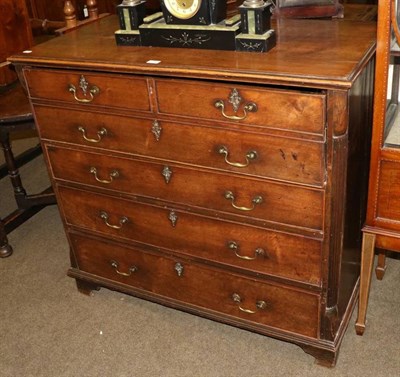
[156,130]
[178,269]
[167,174]
[173,218]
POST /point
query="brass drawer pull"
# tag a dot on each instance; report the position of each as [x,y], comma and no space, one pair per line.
[256,200]
[251,155]
[84,85]
[100,133]
[123,220]
[232,245]
[114,174]
[251,107]
[115,265]
[260,305]
[235,100]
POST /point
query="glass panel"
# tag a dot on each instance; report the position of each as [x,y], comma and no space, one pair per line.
[392,124]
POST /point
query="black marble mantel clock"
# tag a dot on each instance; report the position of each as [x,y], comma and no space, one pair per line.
[198,24]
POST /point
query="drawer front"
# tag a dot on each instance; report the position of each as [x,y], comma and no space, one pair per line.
[388,207]
[258,155]
[80,88]
[231,244]
[296,111]
[249,299]
[241,196]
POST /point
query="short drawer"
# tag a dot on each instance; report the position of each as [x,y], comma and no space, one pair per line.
[88,89]
[258,106]
[249,299]
[388,204]
[261,155]
[231,244]
[242,196]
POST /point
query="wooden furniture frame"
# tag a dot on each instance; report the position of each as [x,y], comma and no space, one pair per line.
[229,185]
[382,227]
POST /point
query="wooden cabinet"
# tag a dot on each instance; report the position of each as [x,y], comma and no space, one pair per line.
[14,17]
[382,226]
[46,9]
[229,185]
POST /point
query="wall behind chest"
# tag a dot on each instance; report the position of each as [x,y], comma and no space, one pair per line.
[53,9]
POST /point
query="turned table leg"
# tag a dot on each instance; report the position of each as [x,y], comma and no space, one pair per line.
[367,261]
[5,249]
[13,172]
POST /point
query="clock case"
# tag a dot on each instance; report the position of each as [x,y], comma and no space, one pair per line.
[231,34]
[210,12]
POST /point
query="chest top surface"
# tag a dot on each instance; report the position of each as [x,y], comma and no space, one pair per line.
[315,53]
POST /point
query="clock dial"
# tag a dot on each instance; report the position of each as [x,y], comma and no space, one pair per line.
[183,9]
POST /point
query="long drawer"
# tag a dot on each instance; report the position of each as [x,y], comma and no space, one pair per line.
[252,300]
[248,153]
[231,244]
[89,89]
[258,106]
[260,199]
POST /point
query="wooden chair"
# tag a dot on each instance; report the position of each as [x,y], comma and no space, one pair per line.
[16,115]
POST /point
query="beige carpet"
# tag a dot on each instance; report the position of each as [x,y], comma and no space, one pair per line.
[49,329]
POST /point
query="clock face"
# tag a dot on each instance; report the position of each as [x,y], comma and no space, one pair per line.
[183,9]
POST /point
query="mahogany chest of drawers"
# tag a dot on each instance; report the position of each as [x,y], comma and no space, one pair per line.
[230,185]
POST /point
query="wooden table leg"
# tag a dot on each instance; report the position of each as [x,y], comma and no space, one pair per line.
[13,172]
[367,261]
[381,266]
[5,249]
